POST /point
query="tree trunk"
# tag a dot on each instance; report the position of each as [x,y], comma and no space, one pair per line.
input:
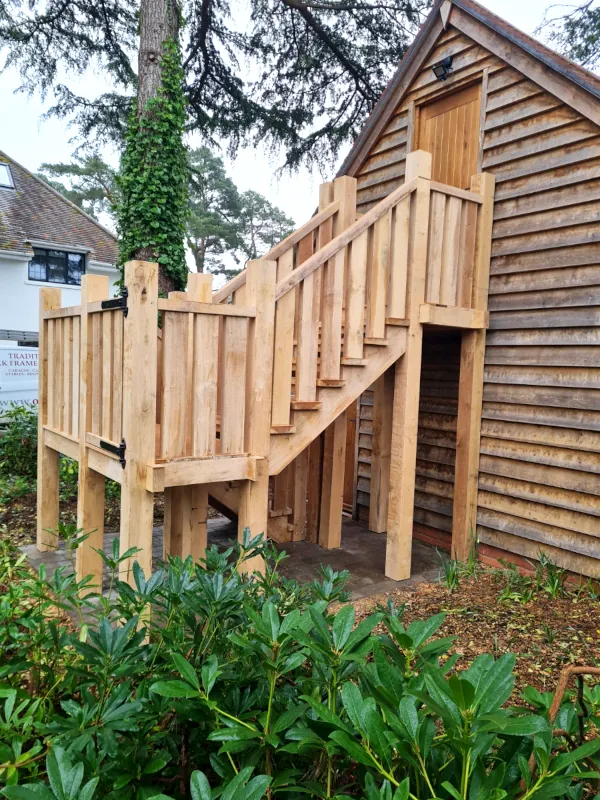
[159,21]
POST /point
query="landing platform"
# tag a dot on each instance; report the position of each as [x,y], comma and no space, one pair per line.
[362,553]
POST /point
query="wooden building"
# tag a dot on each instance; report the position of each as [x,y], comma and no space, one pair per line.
[422,353]
[515,109]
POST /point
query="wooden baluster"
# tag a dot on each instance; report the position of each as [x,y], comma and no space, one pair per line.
[470,389]
[354,327]
[186,507]
[47,465]
[344,190]
[173,428]
[117,377]
[253,509]
[90,488]
[285,311]
[378,278]
[466,262]
[52,411]
[206,375]
[107,372]
[450,258]
[306,358]
[60,373]
[68,373]
[75,384]
[96,377]
[233,383]
[437,214]
[396,305]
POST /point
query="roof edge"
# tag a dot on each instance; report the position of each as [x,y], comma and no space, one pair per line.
[59,195]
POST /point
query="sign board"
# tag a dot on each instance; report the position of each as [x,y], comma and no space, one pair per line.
[18,376]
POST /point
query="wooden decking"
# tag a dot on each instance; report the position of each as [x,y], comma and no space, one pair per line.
[236,386]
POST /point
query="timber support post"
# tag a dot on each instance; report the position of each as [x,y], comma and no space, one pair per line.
[383,404]
[407,377]
[140,344]
[91,484]
[47,463]
[253,512]
[470,389]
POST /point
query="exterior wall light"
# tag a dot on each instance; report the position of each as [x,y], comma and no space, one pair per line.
[443,68]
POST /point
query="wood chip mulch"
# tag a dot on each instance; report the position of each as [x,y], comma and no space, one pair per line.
[545,634]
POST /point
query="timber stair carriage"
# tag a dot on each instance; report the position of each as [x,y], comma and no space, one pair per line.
[227,400]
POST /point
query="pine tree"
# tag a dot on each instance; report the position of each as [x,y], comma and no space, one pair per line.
[302,74]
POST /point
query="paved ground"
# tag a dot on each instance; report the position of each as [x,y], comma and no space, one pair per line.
[362,553]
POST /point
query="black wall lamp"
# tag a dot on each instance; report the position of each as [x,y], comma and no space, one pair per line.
[443,68]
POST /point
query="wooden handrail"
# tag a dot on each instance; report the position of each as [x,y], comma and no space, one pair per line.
[337,244]
[230,287]
[61,313]
[195,307]
[290,241]
[453,191]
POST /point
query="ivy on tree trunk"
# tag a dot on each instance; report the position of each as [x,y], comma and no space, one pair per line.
[154,169]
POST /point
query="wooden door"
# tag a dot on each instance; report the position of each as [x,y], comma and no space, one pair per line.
[449,130]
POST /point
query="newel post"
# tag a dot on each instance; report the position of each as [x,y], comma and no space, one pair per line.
[47,464]
[140,344]
[470,388]
[407,377]
[253,510]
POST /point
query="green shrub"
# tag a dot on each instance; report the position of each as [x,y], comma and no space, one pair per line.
[239,688]
[18,445]
[18,460]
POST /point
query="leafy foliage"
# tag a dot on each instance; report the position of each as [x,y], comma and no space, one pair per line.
[92,183]
[575,30]
[18,459]
[153,181]
[18,444]
[238,687]
[225,221]
[297,73]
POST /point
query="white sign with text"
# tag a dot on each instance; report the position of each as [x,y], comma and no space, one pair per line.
[18,376]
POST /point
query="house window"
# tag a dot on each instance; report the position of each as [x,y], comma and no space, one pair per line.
[56,266]
[6,181]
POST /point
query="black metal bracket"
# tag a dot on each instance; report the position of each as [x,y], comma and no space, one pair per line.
[117,303]
[117,449]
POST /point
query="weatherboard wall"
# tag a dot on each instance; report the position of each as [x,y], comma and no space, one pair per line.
[539,482]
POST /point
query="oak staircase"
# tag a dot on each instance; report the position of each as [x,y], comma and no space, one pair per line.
[228,400]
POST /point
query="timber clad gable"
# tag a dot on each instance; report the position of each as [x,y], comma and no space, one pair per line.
[539,484]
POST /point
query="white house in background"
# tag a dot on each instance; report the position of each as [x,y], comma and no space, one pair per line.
[45,240]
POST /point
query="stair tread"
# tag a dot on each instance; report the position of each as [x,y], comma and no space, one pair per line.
[354,362]
[280,430]
[306,405]
[330,383]
[376,340]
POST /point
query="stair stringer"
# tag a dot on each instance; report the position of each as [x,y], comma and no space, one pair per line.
[310,424]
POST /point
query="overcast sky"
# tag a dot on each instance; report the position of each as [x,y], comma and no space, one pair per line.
[31,140]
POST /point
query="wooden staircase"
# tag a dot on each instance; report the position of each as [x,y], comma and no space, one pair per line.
[230,399]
